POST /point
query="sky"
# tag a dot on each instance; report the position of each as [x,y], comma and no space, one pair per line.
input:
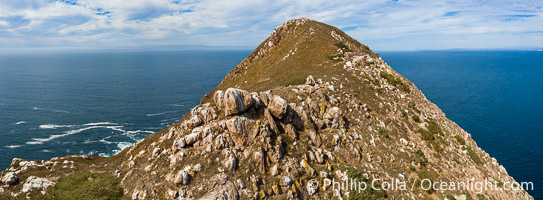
[383,25]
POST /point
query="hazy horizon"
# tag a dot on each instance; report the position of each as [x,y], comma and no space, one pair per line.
[383,25]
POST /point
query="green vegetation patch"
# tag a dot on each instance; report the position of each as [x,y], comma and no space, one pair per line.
[395,81]
[416,118]
[87,186]
[383,132]
[369,193]
[336,57]
[426,184]
[342,46]
[450,197]
[296,81]
[404,115]
[468,195]
[460,140]
[422,158]
[476,159]
[431,134]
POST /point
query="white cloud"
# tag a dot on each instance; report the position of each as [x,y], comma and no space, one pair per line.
[382,24]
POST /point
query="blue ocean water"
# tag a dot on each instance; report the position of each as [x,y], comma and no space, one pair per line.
[98,103]
[496,96]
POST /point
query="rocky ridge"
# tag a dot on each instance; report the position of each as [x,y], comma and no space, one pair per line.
[352,116]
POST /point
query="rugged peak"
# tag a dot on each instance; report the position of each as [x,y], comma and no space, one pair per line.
[295,49]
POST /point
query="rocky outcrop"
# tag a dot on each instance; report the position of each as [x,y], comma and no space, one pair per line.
[36,183]
[10,178]
[233,101]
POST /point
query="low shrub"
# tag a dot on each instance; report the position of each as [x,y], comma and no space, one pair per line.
[416,118]
[476,159]
[342,46]
[296,81]
[395,81]
[450,197]
[370,192]
[460,140]
[336,57]
[383,132]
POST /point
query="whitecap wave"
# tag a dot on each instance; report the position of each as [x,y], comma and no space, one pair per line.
[103,140]
[13,146]
[71,132]
[162,113]
[122,146]
[178,105]
[46,151]
[54,126]
[20,122]
[54,110]
[99,123]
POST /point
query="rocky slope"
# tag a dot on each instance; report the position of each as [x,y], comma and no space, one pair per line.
[310,103]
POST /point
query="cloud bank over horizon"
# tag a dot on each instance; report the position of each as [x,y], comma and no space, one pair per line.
[381,24]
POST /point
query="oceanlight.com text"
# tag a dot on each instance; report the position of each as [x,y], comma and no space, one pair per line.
[424,184]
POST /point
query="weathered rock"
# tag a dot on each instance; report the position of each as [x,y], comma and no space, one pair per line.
[259,157]
[237,101]
[194,121]
[265,98]
[310,80]
[38,183]
[274,170]
[227,191]
[10,178]
[319,156]
[312,187]
[315,138]
[173,193]
[197,167]
[218,98]
[286,181]
[290,131]
[239,128]
[191,138]
[231,162]
[307,167]
[182,178]
[271,121]
[139,195]
[278,106]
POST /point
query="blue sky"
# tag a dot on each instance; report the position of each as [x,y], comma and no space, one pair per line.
[381,24]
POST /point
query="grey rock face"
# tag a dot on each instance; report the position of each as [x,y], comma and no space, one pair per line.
[236,101]
[278,106]
[36,183]
[10,178]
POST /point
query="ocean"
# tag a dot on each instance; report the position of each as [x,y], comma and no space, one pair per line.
[57,104]
[497,96]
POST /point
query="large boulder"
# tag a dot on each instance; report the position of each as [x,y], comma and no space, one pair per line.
[182,178]
[236,101]
[228,191]
[218,98]
[10,178]
[278,106]
[36,183]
